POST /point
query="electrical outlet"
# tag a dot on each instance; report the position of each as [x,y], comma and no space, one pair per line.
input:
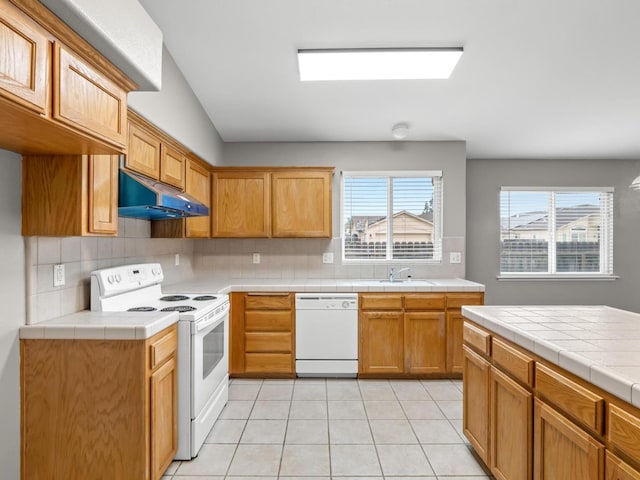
[177,259]
[455,257]
[327,257]
[58,275]
[256,258]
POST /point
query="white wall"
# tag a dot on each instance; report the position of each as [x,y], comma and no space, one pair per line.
[484,179]
[176,110]
[12,299]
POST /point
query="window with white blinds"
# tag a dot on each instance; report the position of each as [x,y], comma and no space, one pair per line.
[559,231]
[413,202]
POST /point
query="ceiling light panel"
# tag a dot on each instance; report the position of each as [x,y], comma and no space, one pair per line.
[378,64]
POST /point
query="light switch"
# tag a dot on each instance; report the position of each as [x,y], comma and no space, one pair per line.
[455,257]
[177,259]
[256,258]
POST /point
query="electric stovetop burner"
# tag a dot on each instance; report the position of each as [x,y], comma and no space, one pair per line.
[179,308]
[142,309]
[202,298]
[174,298]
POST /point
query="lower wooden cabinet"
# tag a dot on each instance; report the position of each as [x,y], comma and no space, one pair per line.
[616,469]
[70,195]
[425,342]
[562,450]
[454,342]
[99,408]
[510,431]
[262,333]
[475,412]
[381,342]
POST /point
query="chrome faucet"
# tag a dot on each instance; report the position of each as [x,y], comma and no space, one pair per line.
[392,273]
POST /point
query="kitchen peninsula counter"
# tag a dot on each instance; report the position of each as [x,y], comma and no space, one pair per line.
[598,344]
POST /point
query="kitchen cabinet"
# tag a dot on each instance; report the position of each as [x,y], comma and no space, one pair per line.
[616,469]
[416,341]
[475,413]
[262,332]
[301,203]
[99,408]
[272,202]
[70,195]
[154,154]
[562,449]
[54,83]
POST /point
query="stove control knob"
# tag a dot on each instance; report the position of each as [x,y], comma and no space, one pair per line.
[110,279]
[118,278]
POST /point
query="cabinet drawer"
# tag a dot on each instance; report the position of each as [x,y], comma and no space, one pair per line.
[260,321]
[273,301]
[519,365]
[268,363]
[624,430]
[457,300]
[616,469]
[163,348]
[86,100]
[268,342]
[582,404]
[380,302]
[424,301]
[477,338]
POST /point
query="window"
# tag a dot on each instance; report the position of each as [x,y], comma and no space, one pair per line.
[564,231]
[413,200]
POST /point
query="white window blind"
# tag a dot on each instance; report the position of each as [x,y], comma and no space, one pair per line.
[413,200]
[556,231]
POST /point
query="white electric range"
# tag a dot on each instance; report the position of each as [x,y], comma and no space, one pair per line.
[203,332]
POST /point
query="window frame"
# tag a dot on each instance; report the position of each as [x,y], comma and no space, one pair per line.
[389,175]
[606,240]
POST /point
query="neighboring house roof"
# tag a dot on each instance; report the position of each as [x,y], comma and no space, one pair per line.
[538,220]
[361,222]
[408,214]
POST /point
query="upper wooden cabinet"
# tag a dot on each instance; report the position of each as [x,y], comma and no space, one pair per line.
[154,154]
[198,184]
[301,203]
[70,195]
[241,204]
[54,83]
[272,202]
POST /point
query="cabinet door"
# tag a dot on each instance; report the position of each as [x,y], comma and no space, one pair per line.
[381,342]
[103,194]
[561,450]
[241,204]
[164,421]
[475,404]
[616,469]
[86,100]
[143,152]
[511,420]
[24,62]
[198,184]
[424,342]
[301,203]
[454,334]
[172,167]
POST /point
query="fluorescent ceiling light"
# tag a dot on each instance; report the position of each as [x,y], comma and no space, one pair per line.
[378,64]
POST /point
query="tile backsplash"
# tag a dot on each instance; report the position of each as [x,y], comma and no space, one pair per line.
[82,255]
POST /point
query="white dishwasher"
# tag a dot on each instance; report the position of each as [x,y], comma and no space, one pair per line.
[327,334]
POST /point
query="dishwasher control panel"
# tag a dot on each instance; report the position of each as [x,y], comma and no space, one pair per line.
[322,301]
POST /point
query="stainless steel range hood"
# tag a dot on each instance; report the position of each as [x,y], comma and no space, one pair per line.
[141,197]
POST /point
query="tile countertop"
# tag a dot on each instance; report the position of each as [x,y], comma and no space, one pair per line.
[87,325]
[597,343]
[206,284]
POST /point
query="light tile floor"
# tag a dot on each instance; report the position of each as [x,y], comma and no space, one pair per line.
[318,429]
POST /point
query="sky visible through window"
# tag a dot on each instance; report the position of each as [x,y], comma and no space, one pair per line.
[368,196]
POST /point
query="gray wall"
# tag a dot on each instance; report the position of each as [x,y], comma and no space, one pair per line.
[175,109]
[12,299]
[484,179]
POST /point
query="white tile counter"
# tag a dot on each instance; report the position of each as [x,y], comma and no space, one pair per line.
[597,343]
[206,284]
[87,325]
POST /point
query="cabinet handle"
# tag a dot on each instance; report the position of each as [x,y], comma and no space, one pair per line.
[268,294]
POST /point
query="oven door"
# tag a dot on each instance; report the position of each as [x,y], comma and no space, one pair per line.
[210,359]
